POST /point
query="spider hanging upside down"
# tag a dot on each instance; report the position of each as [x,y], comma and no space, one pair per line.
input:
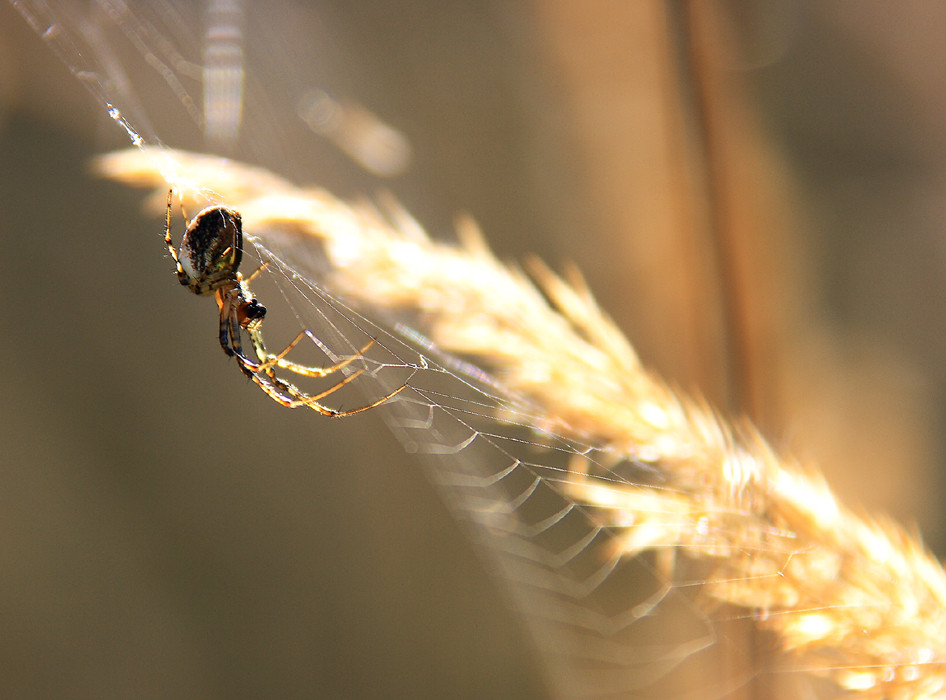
[208,263]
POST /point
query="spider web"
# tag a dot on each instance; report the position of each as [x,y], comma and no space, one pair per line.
[605,624]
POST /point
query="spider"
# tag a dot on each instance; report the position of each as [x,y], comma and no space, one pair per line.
[208,263]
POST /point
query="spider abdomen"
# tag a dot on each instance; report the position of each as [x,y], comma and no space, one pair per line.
[211,249]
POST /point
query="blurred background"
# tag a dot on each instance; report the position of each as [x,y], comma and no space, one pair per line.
[754,191]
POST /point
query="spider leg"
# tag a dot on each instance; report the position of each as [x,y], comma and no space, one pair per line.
[249,367]
[225,313]
[181,275]
[383,399]
[304,399]
[230,339]
[294,398]
[263,372]
[284,393]
[287,395]
[258,270]
[269,361]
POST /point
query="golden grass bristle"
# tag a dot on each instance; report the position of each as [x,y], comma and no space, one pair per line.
[853,599]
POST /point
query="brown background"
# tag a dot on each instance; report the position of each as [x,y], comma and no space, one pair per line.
[167,531]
